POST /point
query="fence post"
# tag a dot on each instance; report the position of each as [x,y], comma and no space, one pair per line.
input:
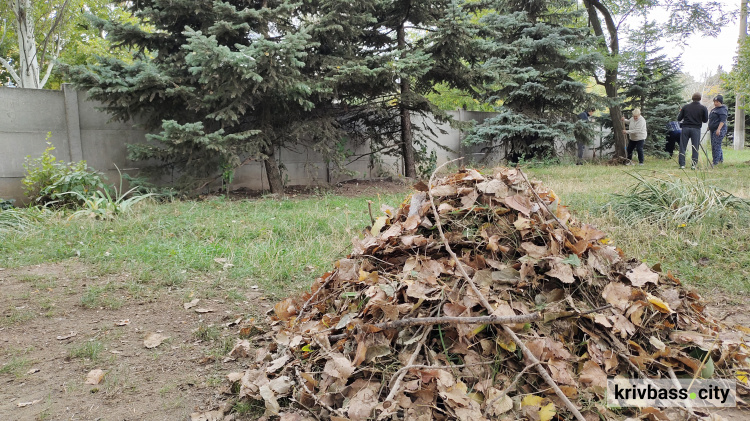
[73,122]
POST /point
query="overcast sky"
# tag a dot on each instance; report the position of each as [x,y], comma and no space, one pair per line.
[704,54]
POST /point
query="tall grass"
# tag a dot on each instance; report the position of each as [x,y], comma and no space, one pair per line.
[661,198]
[16,220]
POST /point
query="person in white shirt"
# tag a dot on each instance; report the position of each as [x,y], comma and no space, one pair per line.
[637,131]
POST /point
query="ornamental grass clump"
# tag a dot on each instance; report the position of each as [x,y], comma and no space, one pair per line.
[663,198]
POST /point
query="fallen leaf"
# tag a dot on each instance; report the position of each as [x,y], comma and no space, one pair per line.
[561,271]
[68,336]
[191,304]
[659,304]
[535,404]
[204,310]
[642,275]
[592,375]
[519,203]
[24,404]
[363,402]
[123,322]
[339,366]
[277,363]
[617,294]
[498,406]
[154,339]
[95,376]
[33,370]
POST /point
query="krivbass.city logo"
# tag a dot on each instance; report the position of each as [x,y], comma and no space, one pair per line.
[664,393]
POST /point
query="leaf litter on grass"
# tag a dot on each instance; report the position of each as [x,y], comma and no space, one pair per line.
[396,331]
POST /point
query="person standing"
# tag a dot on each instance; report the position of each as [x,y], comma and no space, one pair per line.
[637,131]
[582,140]
[674,132]
[692,117]
[717,125]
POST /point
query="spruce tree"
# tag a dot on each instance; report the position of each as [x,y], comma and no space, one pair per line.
[538,58]
[228,82]
[651,82]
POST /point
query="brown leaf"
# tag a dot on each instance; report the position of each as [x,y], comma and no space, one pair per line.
[347,270]
[470,199]
[494,187]
[95,376]
[618,295]
[363,402]
[412,222]
[592,375]
[444,190]
[535,251]
[68,336]
[603,258]
[561,271]
[520,203]
[622,325]
[642,275]
[154,339]
[277,363]
[560,372]
[339,367]
[191,304]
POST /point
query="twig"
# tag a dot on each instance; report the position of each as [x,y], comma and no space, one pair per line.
[309,300]
[507,389]
[308,409]
[309,392]
[535,362]
[491,320]
[565,227]
[688,405]
[369,208]
[400,377]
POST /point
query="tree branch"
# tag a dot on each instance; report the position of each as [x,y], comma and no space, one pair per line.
[10,70]
[490,320]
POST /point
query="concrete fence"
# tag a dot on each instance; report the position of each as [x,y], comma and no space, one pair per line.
[79,130]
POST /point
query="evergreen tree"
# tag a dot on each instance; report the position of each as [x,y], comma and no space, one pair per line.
[233,81]
[537,58]
[428,43]
[651,82]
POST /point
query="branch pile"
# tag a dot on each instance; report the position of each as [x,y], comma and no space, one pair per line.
[482,298]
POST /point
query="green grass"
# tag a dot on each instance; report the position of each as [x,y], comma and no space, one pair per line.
[17,366]
[88,350]
[270,243]
[711,254]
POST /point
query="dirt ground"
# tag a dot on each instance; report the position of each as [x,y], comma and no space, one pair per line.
[49,333]
[47,339]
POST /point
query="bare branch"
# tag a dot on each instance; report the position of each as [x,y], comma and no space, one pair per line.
[10,70]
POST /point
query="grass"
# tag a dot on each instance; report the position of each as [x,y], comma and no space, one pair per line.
[88,350]
[223,246]
[711,254]
[17,366]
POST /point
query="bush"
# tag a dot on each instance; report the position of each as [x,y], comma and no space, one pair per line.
[48,180]
[662,198]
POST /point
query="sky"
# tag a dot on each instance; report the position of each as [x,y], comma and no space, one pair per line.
[702,55]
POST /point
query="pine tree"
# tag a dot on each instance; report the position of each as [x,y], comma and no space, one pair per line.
[538,58]
[651,82]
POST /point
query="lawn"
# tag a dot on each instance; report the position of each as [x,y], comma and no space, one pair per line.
[281,245]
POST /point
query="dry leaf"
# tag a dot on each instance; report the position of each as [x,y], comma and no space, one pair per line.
[339,366]
[95,376]
[204,310]
[68,336]
[216,415]
[191,304]
[618,295]
[154,339]
[642,275]
[24,404]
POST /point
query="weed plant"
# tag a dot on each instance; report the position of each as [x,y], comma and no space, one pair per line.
[661,198]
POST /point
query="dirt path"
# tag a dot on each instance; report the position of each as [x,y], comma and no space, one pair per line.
[57,323]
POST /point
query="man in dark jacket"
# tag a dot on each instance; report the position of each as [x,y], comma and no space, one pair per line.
[692,117]
[581,139]
[717,125]
[674,133]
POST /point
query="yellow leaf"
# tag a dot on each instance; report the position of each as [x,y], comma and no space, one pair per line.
[532,400]
[509,346]
[478,330]
[742,376]
[378,225]
[547,412]
[660,305]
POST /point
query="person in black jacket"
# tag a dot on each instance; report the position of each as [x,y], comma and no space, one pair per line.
[717,125]
[692,117]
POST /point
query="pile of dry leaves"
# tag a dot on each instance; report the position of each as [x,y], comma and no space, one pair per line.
[524,313]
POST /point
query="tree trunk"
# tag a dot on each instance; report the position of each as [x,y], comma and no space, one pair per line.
[611,71]
[273,173]
[407,142]
[739,111]
[28,71]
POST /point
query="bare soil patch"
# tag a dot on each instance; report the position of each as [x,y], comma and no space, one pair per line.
[60,321]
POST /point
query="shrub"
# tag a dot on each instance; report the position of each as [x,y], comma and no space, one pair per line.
[48,180]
